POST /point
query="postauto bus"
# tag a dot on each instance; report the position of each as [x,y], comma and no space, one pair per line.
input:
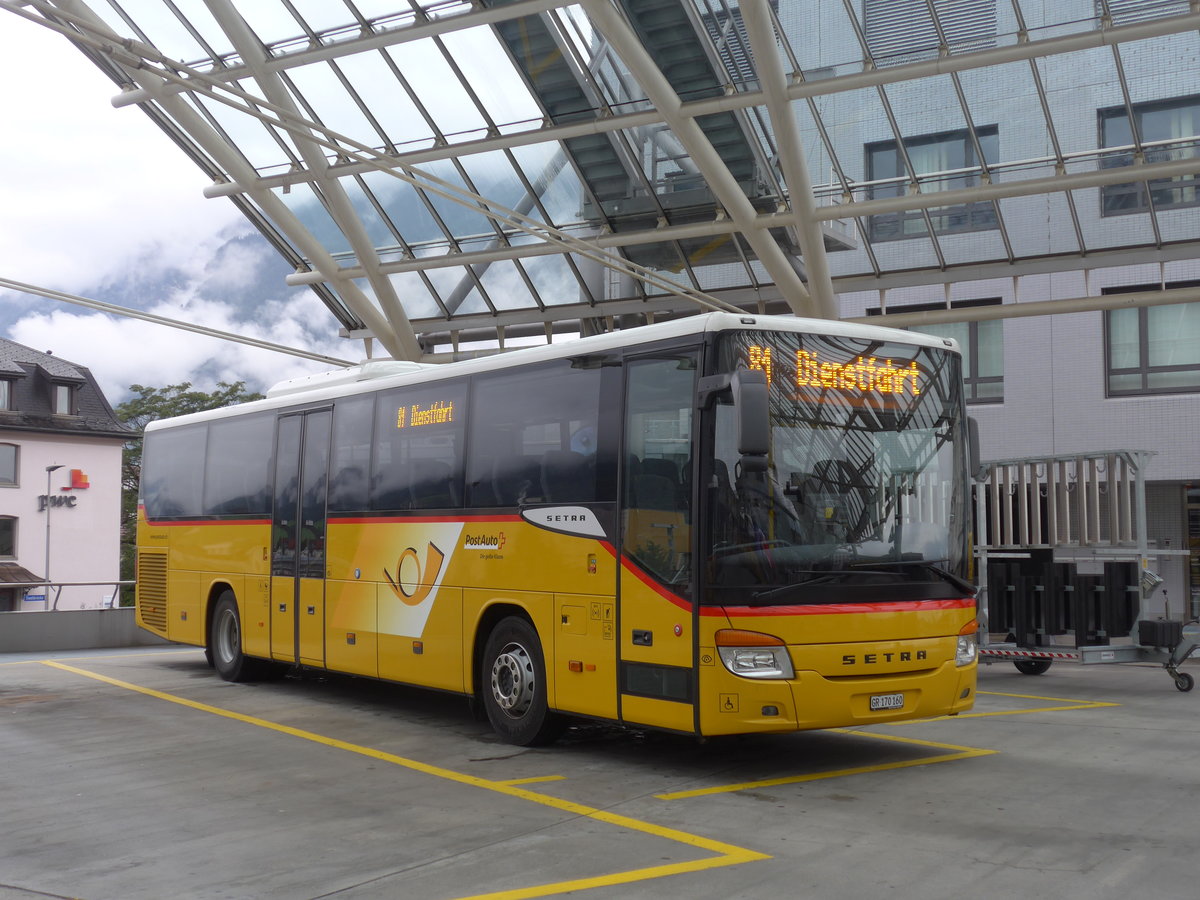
[716,525]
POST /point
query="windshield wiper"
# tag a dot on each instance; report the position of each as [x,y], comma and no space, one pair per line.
[770,595]
[930,565]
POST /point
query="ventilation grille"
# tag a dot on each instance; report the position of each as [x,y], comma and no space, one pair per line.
[1127,12]
[152,591]
[902,31]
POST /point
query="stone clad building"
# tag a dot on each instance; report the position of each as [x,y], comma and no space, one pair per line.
[60,484]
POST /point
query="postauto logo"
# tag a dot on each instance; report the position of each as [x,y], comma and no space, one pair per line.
[484,541]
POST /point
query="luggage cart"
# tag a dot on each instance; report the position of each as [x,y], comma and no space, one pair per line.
[1037,660]
[1062,547]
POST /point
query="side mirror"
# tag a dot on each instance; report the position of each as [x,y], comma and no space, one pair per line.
[974,462]
[753,423]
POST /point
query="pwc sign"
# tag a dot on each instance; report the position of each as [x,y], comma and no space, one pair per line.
[78,482]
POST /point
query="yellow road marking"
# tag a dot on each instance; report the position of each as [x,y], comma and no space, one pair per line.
[104,656]
[725,854]
[957,753]
[1068,705]
[537,780]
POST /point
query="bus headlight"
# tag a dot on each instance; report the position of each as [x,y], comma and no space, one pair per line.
[968,645]
[753,655]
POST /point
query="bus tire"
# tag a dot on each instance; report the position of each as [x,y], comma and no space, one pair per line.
[225,643]
[513,685]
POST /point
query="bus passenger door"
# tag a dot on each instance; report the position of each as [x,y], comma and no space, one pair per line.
[298,538]
[657,634]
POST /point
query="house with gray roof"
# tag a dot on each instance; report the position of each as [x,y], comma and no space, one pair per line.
[60,484]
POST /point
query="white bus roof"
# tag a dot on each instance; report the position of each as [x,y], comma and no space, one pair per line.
[379,374]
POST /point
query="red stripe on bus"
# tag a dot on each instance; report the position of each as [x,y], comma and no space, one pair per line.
[843,609]
[419,520]
[156,523]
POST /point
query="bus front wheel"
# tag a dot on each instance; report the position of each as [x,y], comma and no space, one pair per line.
[225,642]
[513,679]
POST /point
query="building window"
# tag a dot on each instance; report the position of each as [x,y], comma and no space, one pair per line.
[8,537]
[903,31]
[1173,128]
[981,343]
[951,152]
[62,397]
[8,464]
[1153,349]
[6,394]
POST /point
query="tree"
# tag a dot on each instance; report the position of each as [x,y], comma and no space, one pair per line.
[148,405]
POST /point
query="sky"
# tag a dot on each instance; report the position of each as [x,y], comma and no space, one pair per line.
[97,201]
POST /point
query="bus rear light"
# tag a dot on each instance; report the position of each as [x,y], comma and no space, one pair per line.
[751,654]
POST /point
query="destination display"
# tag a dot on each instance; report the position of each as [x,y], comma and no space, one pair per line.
[862,376]
[440,412]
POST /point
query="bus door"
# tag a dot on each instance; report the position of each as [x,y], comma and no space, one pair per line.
[298,538]
[655,615]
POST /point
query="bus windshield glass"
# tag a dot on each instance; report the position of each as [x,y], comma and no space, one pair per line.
[863,495]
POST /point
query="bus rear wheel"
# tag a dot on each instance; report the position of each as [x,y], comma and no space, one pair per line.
[225,644]
[513,682]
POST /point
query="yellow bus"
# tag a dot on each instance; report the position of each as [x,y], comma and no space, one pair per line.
[717,525]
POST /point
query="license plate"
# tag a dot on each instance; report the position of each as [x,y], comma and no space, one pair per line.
[887,701]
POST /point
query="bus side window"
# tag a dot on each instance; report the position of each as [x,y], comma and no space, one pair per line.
[237,472]
[533,437]
[172,480]
[352,423]
[416,461]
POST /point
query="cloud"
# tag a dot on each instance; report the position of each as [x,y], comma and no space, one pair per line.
[86,186]
[121,352]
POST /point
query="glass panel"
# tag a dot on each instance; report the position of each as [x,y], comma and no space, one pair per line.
[333,104]
[352,422]
[865,476]
[417,462]
[390,105]
[1174,335]
[237,473]
[287,492]
[1123,339]
[1173,381]
[8,463]
[658,466]
[489,71]
[8,537]
[172,462]
[314,483]
[990,347]
[534,436]
[1124,384]
[439,90]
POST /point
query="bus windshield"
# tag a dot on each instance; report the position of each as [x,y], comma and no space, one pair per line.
[863,496]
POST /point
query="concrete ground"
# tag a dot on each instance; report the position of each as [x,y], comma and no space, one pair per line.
[140,774]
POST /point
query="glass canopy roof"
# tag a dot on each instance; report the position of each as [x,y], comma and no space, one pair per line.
[444,172]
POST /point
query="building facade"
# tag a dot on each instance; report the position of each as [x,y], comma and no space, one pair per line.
[1079,383]
[60,485]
